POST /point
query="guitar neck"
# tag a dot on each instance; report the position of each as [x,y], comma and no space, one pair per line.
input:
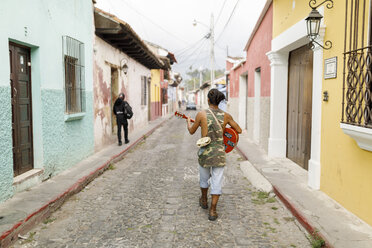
[183,116]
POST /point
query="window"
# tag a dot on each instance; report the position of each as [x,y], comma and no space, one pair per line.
[357,85]
[143,91]
[73,56]
[166,75]
[164,95]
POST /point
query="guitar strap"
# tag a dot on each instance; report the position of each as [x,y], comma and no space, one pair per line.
[219,124]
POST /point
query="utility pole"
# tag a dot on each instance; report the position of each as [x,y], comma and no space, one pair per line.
[200,84]
[212,50]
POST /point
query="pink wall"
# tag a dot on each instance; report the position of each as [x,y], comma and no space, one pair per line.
[234,80]
[256,58]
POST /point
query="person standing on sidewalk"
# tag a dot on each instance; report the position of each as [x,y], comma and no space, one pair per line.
[123,112]
[212,158]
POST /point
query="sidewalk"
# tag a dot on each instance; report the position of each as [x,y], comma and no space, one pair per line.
[26,209]
[315,210]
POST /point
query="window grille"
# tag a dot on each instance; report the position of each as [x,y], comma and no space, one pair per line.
[73,62]
[143,90]
[357,77]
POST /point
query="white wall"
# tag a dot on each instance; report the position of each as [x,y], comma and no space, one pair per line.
[106,56]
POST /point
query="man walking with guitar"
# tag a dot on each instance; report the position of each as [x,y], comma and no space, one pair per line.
[212,157]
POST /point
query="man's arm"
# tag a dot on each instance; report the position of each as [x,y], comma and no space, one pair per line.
[233,124]
[193,127]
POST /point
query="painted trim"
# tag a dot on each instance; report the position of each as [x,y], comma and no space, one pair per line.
[243,100]
[362,135]
[72,117]
[291,39]
[277,145]
[257,105]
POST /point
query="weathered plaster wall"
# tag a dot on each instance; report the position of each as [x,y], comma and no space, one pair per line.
[6,157]
[105,58]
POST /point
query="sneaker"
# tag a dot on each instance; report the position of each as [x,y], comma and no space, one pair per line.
[127,141]
[120,143]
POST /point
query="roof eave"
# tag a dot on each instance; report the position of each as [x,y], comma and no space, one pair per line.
[121,36]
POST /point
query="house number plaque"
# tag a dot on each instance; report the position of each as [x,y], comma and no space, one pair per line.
[330,68]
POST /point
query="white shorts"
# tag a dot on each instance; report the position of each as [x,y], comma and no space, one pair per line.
[215,176]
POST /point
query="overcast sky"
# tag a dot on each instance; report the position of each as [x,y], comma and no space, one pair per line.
[169,23]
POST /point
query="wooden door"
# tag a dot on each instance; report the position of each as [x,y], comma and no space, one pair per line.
[300,84]
[20,80]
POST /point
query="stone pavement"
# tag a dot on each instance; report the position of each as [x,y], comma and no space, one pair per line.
[314,209]
[150,199]
[25,209]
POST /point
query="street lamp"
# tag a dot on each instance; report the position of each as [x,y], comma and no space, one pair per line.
[210,36]
[124,66]
[313,24]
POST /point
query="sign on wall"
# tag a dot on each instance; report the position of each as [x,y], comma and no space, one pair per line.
[330,68]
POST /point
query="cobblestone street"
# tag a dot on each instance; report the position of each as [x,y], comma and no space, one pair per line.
[150,199]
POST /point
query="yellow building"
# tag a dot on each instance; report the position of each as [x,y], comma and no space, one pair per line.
[155,93]
[326,99]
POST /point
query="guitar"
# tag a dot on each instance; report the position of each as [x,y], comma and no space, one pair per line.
[230,136]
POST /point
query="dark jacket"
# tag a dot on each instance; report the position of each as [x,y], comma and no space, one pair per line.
[119,110]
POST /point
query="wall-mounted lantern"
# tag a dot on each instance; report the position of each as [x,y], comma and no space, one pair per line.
[124,66]
[313,24]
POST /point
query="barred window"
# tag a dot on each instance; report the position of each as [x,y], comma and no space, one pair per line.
[357,80]
[143,91]
[73,62]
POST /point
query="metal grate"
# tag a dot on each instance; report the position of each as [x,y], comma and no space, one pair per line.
[357,77]
[73,56]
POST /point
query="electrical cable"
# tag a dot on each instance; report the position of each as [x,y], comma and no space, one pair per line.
[197,57]
[184,50]
[219,15]
[224,28]
[193,51]
[154,23]
[190,56]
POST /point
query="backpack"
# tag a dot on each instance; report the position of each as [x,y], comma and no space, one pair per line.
[128,110]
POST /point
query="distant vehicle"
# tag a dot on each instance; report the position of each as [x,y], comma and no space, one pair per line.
[190,106]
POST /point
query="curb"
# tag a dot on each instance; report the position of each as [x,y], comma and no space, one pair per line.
[313,231]
[10,236]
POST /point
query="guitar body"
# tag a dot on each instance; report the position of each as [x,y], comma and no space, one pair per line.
[230,136]
[230,139]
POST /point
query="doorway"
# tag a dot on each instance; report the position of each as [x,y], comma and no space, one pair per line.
[148,83]
[257,105]
[299,112]
[20,81]
[114,95]
[243,95]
